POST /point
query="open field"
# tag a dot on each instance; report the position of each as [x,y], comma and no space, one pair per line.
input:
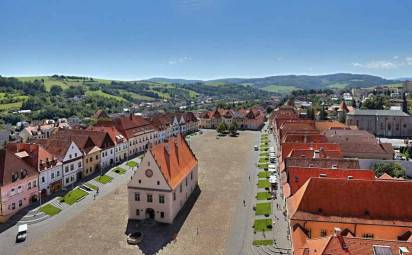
[280,88]
[99,229]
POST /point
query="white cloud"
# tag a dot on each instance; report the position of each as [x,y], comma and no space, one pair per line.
[181,60]
[393,63]
[381,64]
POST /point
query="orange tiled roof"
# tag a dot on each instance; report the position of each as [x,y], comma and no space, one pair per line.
[304,138]
[11,165]
[297,176]
[323,125]
[367,201]
[320,162]
[175,159]
[344,245]
[288,147]
[299,153]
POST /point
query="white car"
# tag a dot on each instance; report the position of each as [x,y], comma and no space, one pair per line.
[21,233]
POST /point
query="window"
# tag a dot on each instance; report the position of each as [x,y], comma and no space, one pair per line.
[75,154]
[67,180]
[58,173]
[186,181]
[66,169]
[174,196]
[80,164]
[71,178]
[137,212]
[180,188]
[191,176]
[149,198]
[161,199]
[70,155]
[20,203]
[13,206]
[12,192]
[140,181]
[158,183]
[137,196]
[162,215]
[368,235]
[43,179]
[29,185]
[19,189]
[52,175]
[71,167]
[97,157]
[323,232]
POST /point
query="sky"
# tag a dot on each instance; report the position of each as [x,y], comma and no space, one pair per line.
[204,39]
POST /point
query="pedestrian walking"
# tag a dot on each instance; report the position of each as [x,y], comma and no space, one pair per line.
[94,196]
[197,231]
[244,203]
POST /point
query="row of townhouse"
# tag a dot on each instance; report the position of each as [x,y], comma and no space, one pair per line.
[44,165]
[252,119]
[329,198]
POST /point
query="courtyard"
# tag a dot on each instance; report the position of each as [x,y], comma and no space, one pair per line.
[212,222]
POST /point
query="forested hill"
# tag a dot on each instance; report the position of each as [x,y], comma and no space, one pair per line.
[290,82]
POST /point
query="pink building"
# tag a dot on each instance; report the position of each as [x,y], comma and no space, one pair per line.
[18,184]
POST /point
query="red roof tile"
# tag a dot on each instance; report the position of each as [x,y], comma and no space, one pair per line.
[11,165]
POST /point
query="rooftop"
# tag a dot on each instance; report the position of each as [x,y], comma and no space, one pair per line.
[379,113]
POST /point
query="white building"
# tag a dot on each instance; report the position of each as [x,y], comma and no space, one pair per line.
[165,179]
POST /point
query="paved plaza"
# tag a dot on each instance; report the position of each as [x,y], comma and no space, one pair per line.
[224,165]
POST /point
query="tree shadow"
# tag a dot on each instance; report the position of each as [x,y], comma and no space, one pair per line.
[157,235]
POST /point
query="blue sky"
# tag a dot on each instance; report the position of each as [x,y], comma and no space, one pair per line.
[204,39]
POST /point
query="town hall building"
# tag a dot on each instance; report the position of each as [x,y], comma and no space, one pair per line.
[163,182]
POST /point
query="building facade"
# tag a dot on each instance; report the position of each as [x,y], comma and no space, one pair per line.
[166,178]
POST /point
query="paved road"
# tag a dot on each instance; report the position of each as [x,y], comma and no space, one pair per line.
[38,230]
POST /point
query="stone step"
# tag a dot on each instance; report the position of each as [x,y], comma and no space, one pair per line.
[58,204]
[33,214]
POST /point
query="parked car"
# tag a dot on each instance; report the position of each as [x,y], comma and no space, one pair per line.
[134,238]
[21,233]
[256,148]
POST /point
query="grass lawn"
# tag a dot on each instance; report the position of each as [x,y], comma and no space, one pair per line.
[262,242]
[264,160]
[263,209]
[262,225]
[282,89]
[263,165]
[263,154]
[103,179]
[264,174]
[264,148]
[263,196]
[50,209]
[73,196]
[93,187]
[263,184]
[131,163]
[119,170]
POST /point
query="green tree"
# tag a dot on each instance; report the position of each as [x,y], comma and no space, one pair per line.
[221,128]
[233,128]
[310,113]
[56,90]
[393,169]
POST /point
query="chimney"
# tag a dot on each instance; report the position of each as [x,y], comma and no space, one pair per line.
[350,177]
[337,232]
[316,154]
[323,175]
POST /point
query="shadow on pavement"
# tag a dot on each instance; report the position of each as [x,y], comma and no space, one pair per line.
[158,235]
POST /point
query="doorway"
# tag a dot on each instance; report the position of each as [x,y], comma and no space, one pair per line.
[150,213]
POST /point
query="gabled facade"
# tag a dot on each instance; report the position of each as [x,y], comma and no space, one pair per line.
[163,182]
[18,184]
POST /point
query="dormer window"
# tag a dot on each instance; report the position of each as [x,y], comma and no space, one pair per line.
[14,177]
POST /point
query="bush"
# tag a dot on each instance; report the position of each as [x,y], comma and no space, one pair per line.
[393,169]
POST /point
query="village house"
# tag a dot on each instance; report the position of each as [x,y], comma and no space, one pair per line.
[138,132]
[36,132]
[100,139]
[18,184]
[251,119]
[121,145]
[166,178]
[69,154]
[363,208]
[48,166]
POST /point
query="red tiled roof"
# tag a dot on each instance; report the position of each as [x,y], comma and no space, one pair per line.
[100,139]
[175,159]
[321,163]
[288,147]
[322,125]
[297,176]
[11,165]
[56,147]
[299,153]
[368,201]
[129,126]
[38,157]
[304,138]
[344,245]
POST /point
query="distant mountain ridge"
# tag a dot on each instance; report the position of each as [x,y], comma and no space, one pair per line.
[338,80]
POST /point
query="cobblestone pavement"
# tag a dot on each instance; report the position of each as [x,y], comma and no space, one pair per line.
[100,228]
